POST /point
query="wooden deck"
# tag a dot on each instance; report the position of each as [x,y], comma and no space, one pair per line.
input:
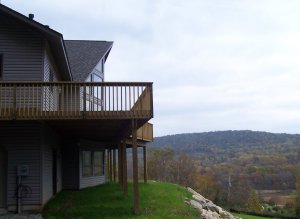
[75,100]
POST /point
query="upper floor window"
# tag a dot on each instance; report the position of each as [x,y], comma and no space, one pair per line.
[1,66]
[96,78]
[51,75]
[100,66]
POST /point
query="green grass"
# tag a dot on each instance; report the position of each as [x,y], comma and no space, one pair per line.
[246,216]
[157,200]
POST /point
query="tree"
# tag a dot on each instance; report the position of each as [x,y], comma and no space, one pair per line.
[298,195]
[253,204]
[159,164]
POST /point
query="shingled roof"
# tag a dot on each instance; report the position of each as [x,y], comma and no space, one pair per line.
[84,55]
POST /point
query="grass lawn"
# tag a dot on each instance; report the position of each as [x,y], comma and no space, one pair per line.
[246,216]
[157,200]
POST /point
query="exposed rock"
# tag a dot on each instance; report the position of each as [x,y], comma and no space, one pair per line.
[207,208]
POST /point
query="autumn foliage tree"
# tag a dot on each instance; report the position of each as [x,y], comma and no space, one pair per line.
[298,196]
[253,204]
[166,165]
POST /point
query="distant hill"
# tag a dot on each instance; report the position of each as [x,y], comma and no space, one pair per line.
[269,160]
[225,139]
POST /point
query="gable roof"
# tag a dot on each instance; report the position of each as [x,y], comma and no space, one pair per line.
[54,38]
[84,55]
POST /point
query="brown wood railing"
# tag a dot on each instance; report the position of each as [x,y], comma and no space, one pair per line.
[75,100]
[145,133]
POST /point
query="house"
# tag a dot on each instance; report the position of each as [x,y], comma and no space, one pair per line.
[61,126]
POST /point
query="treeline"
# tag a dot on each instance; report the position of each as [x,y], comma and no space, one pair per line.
[236,192]
[264,160]
[167,165]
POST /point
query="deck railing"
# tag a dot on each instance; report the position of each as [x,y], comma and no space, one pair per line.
[145,133]
[74,100]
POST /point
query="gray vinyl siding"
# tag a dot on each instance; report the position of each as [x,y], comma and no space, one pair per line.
[22,142]
[47,172]
[70,166]
[92,180]
[22,51]
[50,142]
[59,172]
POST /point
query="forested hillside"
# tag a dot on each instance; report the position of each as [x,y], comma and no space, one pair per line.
[265,160]
[239,169]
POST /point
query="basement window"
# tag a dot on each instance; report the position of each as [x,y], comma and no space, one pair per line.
[92,163]
[87,165]
[98,163]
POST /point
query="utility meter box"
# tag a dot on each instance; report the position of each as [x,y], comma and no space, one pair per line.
[22,170]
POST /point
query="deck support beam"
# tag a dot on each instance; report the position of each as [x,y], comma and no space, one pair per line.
[110,164]
[135,168]
[145,164]
[124,159]
[120,170]
[114,165]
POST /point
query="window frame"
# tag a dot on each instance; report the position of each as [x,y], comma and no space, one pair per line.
[85,165]
[51,75]
[51,78]
[98,165]
[92,165]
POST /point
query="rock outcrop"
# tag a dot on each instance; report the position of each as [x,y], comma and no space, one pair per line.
[207,208]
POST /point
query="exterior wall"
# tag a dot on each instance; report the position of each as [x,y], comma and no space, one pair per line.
[50,143]
[47,168]
[92,180]
[22,50]
[70,165]
[31,144]
[22,143]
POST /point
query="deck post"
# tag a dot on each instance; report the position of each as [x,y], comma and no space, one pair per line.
[145,164]
[135,168]
[107,164]
[125,184]
[120,170]
[110,164]
[114,165]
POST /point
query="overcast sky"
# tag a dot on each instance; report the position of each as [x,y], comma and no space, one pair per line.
[215,64]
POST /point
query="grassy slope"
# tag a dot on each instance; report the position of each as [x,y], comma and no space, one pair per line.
[157,200]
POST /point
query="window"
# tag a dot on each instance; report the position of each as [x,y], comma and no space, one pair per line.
[51,78]
[51,75]
[96,78]
[92,163]
[98,163]
[1,66]
[87,166]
